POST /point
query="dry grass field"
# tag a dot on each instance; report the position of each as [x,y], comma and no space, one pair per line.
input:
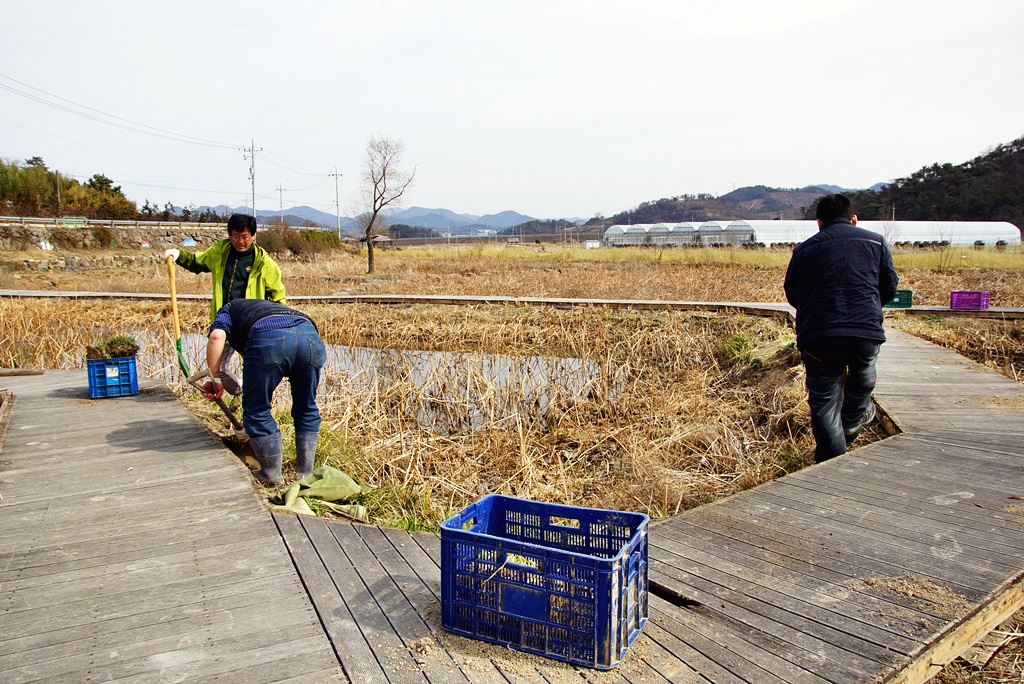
[674,408]
[654,412]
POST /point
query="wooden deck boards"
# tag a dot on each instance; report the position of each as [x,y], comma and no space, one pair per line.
[139,539]
[885,552]
[134,548]
[378,592]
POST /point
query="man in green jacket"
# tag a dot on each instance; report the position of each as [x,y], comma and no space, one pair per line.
[240,269]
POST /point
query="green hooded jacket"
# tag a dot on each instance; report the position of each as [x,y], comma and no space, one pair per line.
[264,278]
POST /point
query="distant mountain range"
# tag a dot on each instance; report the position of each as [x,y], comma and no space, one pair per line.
[441,220]
[445,221]
[748,202]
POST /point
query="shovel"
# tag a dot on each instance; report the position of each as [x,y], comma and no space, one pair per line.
[183,363]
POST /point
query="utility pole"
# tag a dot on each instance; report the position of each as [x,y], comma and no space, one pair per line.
[252,173]
[337,202]
[280,206]
[60,213]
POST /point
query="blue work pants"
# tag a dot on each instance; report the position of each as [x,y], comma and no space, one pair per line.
[296,353]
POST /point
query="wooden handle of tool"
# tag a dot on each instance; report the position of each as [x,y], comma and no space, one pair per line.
[174,296]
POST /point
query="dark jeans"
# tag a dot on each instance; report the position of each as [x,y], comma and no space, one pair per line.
[840,379]
[296,353]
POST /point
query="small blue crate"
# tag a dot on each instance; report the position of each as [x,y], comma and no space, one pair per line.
[564,582]
[112,377]
[904,299]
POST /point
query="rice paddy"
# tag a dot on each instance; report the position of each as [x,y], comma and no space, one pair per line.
[672,409]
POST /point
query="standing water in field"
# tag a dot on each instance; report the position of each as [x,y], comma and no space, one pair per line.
[451,393]
[442,392]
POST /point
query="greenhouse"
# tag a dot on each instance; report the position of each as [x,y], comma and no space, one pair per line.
[739,233]
[789,233]
[711,233]
[922,233]
[658,235]
[684,234]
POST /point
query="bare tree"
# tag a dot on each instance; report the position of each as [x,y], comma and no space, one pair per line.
[384,183]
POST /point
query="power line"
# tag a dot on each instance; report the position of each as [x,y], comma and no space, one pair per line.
[128,125]
[137,127]
[107,149]
[99,116]
[288,166]
[323,181]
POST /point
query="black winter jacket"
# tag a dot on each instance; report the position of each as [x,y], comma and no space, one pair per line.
[837,281]
[237,317]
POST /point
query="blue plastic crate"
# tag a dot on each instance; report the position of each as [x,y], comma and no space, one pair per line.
[113,377]
[564,582]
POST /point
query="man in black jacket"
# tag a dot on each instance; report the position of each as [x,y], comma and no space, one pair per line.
[838,280]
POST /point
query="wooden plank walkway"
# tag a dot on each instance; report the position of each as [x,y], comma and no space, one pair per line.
[134,548]
[881,564]
[876,566]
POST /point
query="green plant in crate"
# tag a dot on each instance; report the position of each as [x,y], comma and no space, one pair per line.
[116,347]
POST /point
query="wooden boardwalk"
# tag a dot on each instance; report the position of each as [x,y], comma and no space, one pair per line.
[135,549]
[880,563]
[877,566]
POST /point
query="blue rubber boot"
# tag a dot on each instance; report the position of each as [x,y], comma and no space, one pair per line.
[305,452]
[268,452]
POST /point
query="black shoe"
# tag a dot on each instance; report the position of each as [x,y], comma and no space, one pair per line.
[854,430]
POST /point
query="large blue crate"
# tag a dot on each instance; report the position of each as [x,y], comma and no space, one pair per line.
[113,377]
[565,582]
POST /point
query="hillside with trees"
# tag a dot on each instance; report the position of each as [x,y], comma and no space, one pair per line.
[402,231]
[754,202]
[540,227]
[989,187]
[32,189]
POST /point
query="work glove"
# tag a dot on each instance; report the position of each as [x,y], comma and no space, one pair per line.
[212,389]
[171,253]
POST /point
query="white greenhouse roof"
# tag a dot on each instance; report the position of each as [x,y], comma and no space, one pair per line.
[683,228]
[791,232]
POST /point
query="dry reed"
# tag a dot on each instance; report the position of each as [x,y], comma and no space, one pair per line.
[702,405]
[559,271]
[678,409]
[666,420]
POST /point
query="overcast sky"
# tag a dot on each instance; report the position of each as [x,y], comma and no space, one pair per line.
[553,108]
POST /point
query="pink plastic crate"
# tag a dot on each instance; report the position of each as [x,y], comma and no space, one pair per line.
[968,299]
